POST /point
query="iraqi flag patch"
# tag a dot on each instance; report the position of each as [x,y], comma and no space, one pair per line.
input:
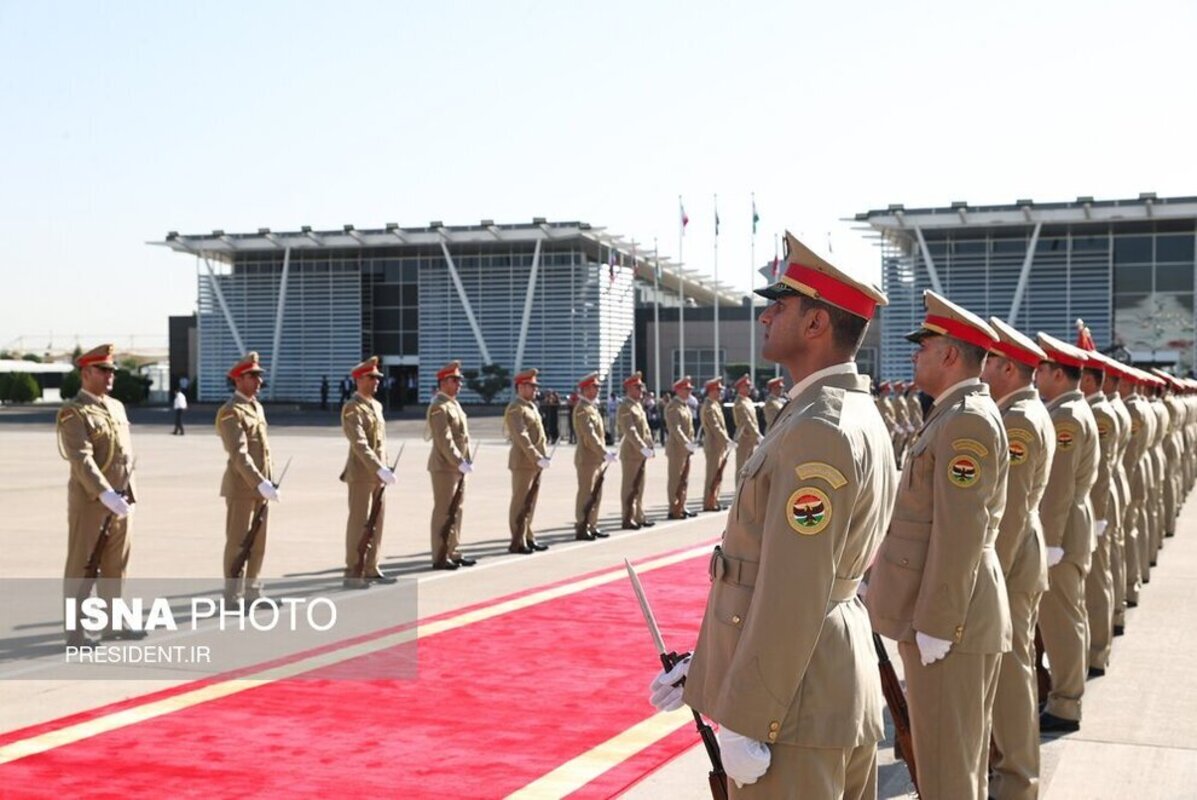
[964,471]
[809,511]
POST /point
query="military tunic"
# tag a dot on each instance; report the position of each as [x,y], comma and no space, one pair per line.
[680,423]
[1099,582]
[636,437]
[715,442]
[748,433]
[526,430]
[241,423]
[364,427]
[450,434]
[588,461]
[773,407]
[1119,523]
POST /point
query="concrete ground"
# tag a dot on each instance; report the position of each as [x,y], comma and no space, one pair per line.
[1139,736]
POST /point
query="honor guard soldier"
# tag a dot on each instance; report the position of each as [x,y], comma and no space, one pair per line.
[679,447]
[1138,469]
[913,407]
[1009,372]
[785,662]
[904,428]
[937,585]
[365,472]
[448,465]
[589,458]
[1068,530]
[774,402]
[715,443]
[93,435]
[247,483]
[1121,485]
[1171,452]
[527,459]
[748,432]
[635,449]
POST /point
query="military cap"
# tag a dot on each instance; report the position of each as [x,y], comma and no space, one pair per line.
[683,382]
[883,386]
[450,370]
[1014,345]
[634,379]
[100,357]
[528,376]
[246,366]
[810,275]
[1168,380]
[369,367]
[1061,352]
[713,383]
[776,382]
[945,318]
[589,380]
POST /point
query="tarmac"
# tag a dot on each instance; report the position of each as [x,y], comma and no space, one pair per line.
[1139,733]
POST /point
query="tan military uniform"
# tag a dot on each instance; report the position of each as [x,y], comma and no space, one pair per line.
[241,423]
[1023,556]
[1138,470]
[1099,582]
[1159,467]
[450,434]
[938,573]
[1068,523]
[785,654]
[93,435]
[1118,522]
[748,432]
[636,436]
[526,431]
[680,423]
[364,427]
[588,460]
[715,443]
[914,409]
[773,407]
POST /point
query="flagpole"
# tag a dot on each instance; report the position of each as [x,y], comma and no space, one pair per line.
[776,364]
[633,306]
[681,288]
[751,299]
[656,319]
[718,366]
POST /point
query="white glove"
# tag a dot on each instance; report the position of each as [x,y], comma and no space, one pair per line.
[930,648]
[116,504]
[744,760]
[609,456]
[386,476]
[268,491]
[692,447]
[662,693]
[1054,556]
[1099,527]
[465,467]
[543,463]
[648,452]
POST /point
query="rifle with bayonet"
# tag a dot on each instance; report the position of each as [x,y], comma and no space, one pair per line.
[366,543]
[533,493]
[92,570]
[896,700]
[717,778]
[712,499]
[255,525]
[454,509]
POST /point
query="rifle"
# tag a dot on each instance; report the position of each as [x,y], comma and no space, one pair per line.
[580,528]
[367,541]
[533,493]
[454,509]
[92,571]
[247,543]
[896,700]
[717,778]
[1043,677]
[717,479]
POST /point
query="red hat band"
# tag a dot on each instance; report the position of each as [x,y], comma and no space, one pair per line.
[1015,353]
[825,287]
[958,330]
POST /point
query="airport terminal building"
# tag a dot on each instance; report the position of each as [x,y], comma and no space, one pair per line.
[1124,266]
[559,296]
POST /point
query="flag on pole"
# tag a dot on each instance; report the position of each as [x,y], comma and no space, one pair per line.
[755,216]
[776,266]
[1084,337]
[716,216]
[611,264]
[685,219]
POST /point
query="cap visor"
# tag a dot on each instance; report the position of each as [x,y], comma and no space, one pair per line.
[918,334]
[775,291]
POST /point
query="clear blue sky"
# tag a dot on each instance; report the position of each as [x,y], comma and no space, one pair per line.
[125,120]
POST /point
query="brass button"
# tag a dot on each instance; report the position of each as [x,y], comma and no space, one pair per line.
[773,736]
[774,726]
[906,562]
[736,619]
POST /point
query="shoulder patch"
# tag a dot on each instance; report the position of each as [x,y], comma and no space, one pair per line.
[1018,452]
[1065,435]
[226,415]
[433,410]
[808,511]
[818,469]
[964,471]
[1103,428]
[1021,434]
[971,446]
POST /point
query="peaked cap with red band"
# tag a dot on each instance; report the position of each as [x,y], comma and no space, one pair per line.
[776,382]
[683,382]
[368,368]
[589,380]
[743,380]
[1014,345]
[713,383]
[634,379]
[246,366]
[1061,352]
[97,357]
[945,318]
[528,376]
[810,275]
[450,370]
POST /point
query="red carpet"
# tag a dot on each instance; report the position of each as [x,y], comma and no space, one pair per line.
[496,705]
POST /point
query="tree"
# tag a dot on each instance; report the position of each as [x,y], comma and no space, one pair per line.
[493,380]
[21,387]
[71,383]
[33,357]
[130,389]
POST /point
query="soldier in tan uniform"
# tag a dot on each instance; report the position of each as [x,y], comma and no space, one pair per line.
[775,402]
[679,447]
[904,429]
[1009,371]
[526,460]
[785,661]
[1068,530]
[448,465]
[635,448]
[365,472]
[247,483]
[913,408]
[93,435]
[1117,530]
[1171,451]
[1138,472]
[748,432]
[589,458]
[715,444]
[1099,583]
[937,585]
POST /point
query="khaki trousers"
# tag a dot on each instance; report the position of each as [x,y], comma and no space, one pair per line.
[1099,603]
[445,545]
[521,524]
[744,450]
[1065,628]
[361,501]
[803,773]
[631,497]
[1016,708]
[710,489]
[675,487]
[239,514]
[587,478]
[951,702]
[85,517]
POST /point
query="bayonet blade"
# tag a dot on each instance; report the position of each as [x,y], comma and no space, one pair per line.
[645,609]
[286,467]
